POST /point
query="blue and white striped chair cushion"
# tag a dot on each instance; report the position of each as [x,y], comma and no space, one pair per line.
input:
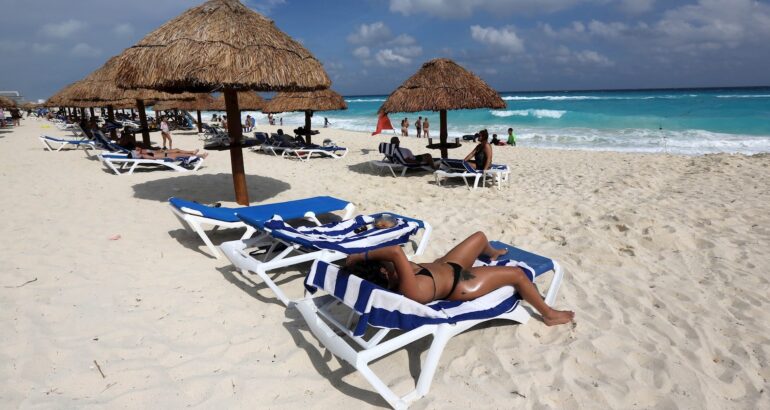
[342,236]
[379,307]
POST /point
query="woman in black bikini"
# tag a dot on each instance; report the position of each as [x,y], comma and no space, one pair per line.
[481,156]
[453,277]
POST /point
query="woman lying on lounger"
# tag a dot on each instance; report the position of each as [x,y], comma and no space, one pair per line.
[142,153]
[451,277]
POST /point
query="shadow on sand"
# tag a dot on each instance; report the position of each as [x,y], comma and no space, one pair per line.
[208,188]
[367,169]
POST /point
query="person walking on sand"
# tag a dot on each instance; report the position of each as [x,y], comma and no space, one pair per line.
[511,137]
[165,132]
[418,125]
[425,128]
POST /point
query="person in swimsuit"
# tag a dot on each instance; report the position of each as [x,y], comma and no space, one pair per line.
[453,277]
[406,153]
[141,153]
[481,156]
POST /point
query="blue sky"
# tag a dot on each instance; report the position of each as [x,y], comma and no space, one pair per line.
[371,46]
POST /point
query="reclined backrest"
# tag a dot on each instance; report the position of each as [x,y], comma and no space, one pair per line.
[386,149]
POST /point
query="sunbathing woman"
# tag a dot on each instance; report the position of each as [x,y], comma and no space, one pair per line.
[452,277]
[171,153]
[481,156]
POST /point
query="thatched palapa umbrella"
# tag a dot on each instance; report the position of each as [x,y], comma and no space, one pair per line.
[307,101]
[222,45]
[6,102]
[100,86]
[203,102]
[442,85]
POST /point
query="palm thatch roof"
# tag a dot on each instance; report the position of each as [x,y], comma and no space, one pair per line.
[221,43]
[62,98]
[247,101]
[320,100]
[6,102]
[101,86]
[442,84]
[203,102]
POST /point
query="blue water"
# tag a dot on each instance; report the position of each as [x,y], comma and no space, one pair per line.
[685,121]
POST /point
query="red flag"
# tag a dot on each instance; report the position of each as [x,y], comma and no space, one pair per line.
[383,123]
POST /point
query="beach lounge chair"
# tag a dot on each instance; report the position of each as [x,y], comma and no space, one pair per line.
[457,168]
[352,317]
[118,163]
[195,215]
[306,152]
[58,144]
[278,143]
[282,245]
[394,160]
[104,143]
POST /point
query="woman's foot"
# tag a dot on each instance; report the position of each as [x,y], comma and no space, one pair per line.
[203,154]
[496,253]
[558,317]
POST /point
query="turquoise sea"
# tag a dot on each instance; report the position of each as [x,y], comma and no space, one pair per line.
[684,121]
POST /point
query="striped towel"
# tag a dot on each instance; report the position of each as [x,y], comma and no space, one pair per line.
[379,307]
[355,235]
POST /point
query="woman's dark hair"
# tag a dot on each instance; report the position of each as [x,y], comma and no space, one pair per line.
[369,271]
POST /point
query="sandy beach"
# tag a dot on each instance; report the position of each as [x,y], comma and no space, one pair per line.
[667,268]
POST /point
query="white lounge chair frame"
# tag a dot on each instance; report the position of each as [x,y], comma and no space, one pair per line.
[76,143]
[304,154]
[334,334]
[500,177]
[390,154]
[117,165]
[192,219]
[237,252]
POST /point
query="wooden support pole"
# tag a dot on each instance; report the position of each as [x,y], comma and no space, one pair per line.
[236,151]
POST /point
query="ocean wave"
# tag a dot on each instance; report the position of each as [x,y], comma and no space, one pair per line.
[554,114]
[744,96]
[365,100]
[593,97]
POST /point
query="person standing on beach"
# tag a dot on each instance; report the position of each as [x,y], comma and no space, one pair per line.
[511,137]
[165,132]
[15,116]
[405,127]
[425,128]
[2,117]
[418,125]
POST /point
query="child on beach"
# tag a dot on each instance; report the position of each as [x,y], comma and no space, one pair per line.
[511,137]
[165,132]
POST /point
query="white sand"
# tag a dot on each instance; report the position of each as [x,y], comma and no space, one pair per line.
[667,262]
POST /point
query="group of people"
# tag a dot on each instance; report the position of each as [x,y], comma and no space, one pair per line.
[15,116]
[250,123]
[479,158]
[422,126]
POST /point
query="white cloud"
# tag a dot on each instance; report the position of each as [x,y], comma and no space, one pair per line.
[42,48]
[504,38]
[610,30]
[368,34]
[362,52]
[591,57]
[388,57]
[63,29]
[377,45]
[123,30]
[466,8]
[85,50]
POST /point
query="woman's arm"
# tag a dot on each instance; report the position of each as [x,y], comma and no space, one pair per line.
[396,256]
[470,155]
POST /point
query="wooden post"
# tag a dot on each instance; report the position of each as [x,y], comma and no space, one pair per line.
[236,152]
[443,134]
[200,122]
[111,117]
[143,121]
[308,114]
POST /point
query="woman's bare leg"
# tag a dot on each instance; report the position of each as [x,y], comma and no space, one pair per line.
[467,251]
[482,280]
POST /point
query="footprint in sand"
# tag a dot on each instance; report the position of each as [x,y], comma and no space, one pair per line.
[628,250]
